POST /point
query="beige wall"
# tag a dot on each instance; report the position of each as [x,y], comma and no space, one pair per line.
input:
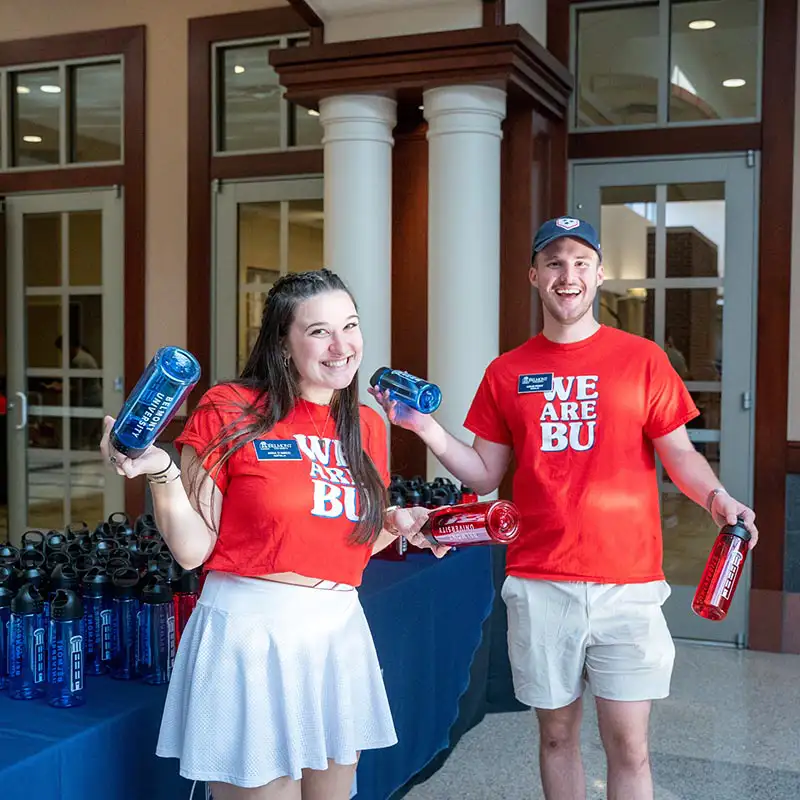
[167,81]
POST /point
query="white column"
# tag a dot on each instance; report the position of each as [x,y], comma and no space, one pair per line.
[358,213]
[464,136]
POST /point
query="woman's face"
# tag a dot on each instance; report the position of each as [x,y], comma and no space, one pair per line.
[325,345]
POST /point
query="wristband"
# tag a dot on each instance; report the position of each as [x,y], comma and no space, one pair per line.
[710,499]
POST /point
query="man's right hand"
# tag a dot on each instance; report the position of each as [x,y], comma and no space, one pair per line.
[400,414]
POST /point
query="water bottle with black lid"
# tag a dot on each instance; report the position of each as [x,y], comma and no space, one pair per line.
[156,631]
[169,377]
[97,616]
[65,663]
[125,604]
[6,596]
[27,652]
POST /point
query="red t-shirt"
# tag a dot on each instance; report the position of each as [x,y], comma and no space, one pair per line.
[289,500]
[581,418]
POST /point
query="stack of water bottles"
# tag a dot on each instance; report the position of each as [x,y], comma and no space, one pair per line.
[87,602]
[416,491]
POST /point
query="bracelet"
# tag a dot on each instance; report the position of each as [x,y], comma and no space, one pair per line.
[161,477]
[388,526]
[710,499]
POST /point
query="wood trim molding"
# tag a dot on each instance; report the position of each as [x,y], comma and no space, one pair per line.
[793,458]
[494,13]
[311,18]
[774,279]
[130,43]
[665,141]
[203,167]
[505,55]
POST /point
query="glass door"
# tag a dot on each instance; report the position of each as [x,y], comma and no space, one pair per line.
[65,309]
[679,251]
[264,229]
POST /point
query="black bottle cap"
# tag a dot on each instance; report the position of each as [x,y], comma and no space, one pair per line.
[96,582]
[156,590]
[6,575]
[55,540]
[397,497]
[119,518]
[29,559]
[126,581]
[145,521]
[28,600]
[102,531]
[66,606]
[6,596]
[121,560]
[33,575]
[75,529]
[171,571]
[56,558]
[105,549]
[84,563]
[33,540]
[65,576]
[413,495]
[8,554]
[189,582]
[738,529]
[376,376]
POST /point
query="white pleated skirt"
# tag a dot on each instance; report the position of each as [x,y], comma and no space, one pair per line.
[271,679]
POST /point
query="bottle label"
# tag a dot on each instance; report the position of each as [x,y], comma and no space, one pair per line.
[38,660]
[90,621]
[170,643]
[461,534]
[16,648]
[153,414]
[76,663]
[733,570]
[106,637]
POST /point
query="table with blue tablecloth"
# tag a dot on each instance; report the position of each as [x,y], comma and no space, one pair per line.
[426,617]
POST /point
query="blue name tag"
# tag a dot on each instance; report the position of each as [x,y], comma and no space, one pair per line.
[276,450]
[528,384]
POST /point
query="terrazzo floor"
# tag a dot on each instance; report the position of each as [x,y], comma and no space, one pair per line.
[729,731]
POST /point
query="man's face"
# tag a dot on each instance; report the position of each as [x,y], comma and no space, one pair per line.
[567,273]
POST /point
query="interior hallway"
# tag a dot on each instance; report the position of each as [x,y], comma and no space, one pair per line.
[730,731]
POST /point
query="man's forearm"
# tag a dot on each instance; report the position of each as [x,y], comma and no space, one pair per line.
[693,475]
[459,459]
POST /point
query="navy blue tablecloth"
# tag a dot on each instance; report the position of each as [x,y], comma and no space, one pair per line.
[426,617]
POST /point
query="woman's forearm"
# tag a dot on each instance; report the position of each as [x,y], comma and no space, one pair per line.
[183,528]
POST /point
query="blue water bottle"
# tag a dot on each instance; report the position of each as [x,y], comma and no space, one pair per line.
[406,388]
[97,620]
[126,635]
[6,595]
[65,663]
[26,645]
[159,393]
[156,632]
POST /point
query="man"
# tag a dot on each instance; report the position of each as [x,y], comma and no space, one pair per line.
[584,409]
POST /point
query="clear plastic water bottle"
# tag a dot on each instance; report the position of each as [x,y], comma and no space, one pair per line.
[169,377]
[126,611]
[97,616]
[65,664]
[186,592]
[26,645]
[156,632]
[406,388]
[6,595]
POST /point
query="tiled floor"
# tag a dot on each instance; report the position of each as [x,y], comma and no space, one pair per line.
[730,731]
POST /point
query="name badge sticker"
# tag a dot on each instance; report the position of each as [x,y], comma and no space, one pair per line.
[277,450]
[530,384]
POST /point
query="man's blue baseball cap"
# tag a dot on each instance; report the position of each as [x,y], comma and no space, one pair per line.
[566,226]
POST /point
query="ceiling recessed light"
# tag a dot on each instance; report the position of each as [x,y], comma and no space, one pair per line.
[238,69]
[734,83]
[421,108]
[32,139]
[702,24]
[23,90]
[48,89]
[312,112]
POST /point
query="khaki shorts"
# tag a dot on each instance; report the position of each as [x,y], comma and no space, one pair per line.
[562,634]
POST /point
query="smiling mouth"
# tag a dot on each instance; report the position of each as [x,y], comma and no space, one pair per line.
[568,291]
[338,363]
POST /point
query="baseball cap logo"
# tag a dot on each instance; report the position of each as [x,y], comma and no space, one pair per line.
[568,223]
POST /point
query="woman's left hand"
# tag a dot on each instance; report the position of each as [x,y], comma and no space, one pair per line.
[408,522]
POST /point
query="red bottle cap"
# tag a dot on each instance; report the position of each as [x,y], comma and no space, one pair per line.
[503,521]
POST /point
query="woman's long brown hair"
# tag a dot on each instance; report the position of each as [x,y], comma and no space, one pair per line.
[272,377]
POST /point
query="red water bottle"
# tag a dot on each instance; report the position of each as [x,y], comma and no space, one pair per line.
[464,525]
[724,568]
[468,495]
[184,599]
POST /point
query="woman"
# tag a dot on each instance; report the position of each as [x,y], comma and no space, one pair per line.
[281,495]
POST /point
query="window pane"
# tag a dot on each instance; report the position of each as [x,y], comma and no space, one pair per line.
[305,235]
[627,224]
[305,129]
[43,318]
[714,60]
[631,310]
[693,329]
[86,248]
[695,230]
[41,234]
[85,331]
[96,113]
[36,100]
[619,66]
[249,99]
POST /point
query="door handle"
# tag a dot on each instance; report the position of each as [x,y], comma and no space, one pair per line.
[23,411]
